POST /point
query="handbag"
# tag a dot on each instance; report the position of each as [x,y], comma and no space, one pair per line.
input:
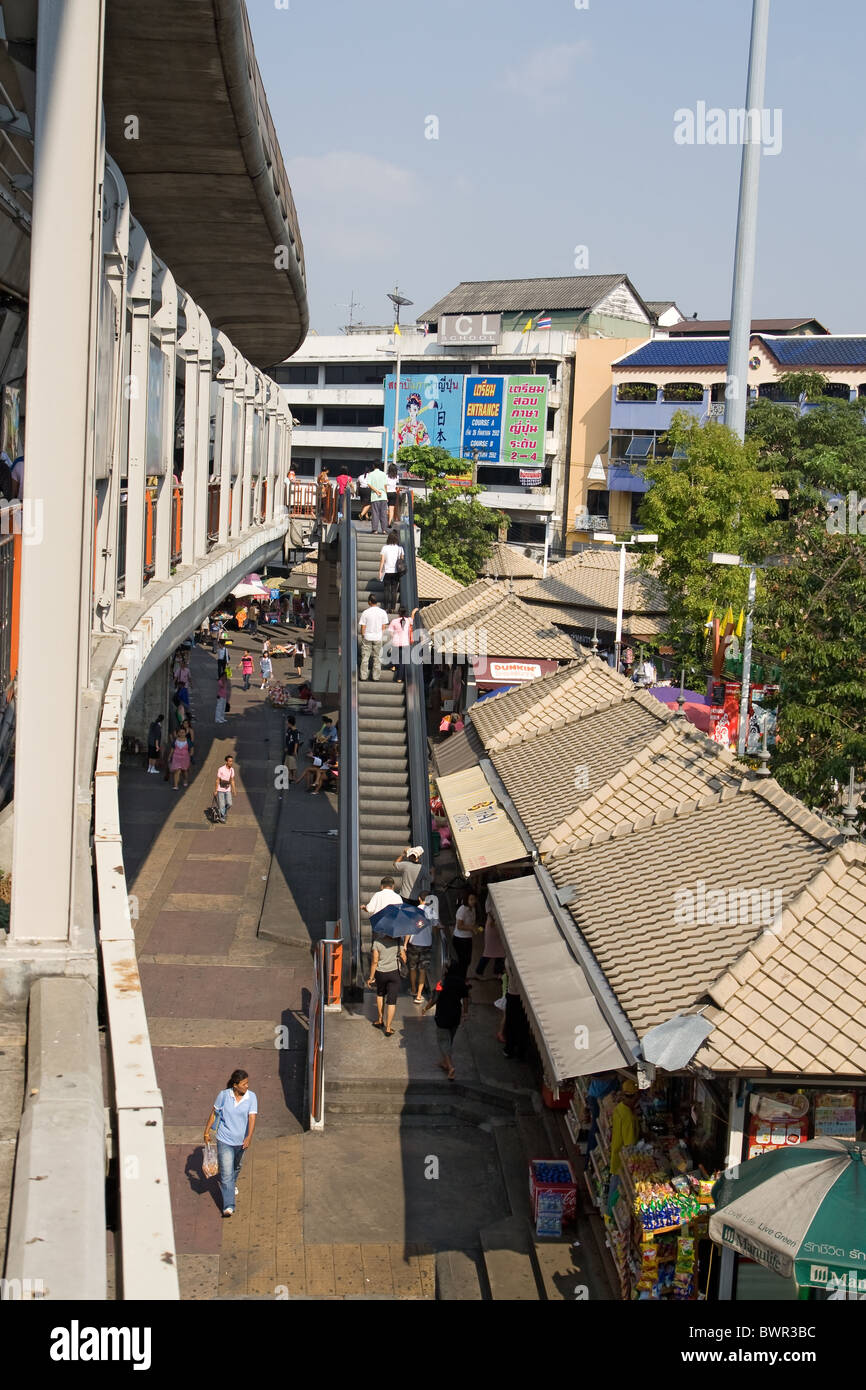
[228,706]
[403,968]
[400,567]
[209,1160]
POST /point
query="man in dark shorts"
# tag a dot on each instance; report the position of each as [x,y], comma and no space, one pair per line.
[419,951]
[290,748]
[385,959]
[154,744]
[451,1002]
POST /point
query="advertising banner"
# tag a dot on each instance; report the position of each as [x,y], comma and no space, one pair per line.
[530,477]
[525,419]
[428,411]
[482,418]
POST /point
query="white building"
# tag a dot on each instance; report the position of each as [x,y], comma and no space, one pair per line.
[334,385]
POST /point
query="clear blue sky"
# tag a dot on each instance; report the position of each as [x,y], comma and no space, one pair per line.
[556,129]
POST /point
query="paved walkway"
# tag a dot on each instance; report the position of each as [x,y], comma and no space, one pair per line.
[409,1169]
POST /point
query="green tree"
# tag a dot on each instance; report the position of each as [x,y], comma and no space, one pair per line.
[457,531]
[712,496]
[811,613]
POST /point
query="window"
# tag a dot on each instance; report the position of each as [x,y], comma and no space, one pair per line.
[352,415]
[303,467]
[598,502]
[296,374]
[682,391]
[526,533]
[640,446]
[356,373]
[304,414]
[636,504]
[636,391]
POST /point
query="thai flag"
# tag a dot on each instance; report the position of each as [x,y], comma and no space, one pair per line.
[543,321]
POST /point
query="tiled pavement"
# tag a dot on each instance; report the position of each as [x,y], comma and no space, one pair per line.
[218,997]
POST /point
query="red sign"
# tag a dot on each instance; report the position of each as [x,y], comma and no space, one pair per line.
[529,477]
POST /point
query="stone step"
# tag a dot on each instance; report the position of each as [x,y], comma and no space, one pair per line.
[557,1268]
[508,1262]
[460,1276]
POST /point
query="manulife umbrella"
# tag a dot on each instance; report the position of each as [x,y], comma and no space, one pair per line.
[398,921]
[799,1210]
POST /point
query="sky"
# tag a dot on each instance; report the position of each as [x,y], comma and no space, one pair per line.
[556,129]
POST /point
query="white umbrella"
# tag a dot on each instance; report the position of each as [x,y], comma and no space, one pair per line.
[247,590]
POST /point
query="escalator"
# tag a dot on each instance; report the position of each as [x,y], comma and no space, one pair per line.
[384,799]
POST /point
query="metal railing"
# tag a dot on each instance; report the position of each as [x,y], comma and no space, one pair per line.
[10,577]
[324,998]
[302,499]
[350,924]
[213,514]
[416,707]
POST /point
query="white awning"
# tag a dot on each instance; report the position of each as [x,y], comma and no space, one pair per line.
[483,834]
[570,1028]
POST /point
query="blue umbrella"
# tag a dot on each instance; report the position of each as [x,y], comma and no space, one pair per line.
[398,921]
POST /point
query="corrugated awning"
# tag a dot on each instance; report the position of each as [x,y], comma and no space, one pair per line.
[572,1032]
[483,834]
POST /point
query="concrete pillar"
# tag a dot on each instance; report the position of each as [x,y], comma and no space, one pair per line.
[55,574]
[136,386]
[165,322]
[151,699]
[202,443]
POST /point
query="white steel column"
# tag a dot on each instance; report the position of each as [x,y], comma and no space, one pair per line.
[165,322]
[272,395]
[223,470]
[138,300]
[202,442]
[246,480]
[64,257]
[115,244]
[187,347]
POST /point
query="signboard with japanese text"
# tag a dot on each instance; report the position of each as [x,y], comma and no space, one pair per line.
[428,411]
[525,419]
[482,418]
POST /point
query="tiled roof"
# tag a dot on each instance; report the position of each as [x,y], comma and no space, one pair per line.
[577,292]
[548,777]
[818,351]
[552,702]
[457,752]
[466,600]
[433,584]
[795,1000]
[505,561]
[720,328]
[634,625]
[676,352]
[673,770]
[309,564]
[658,306]
[495,623]
[590,579]
[631,907]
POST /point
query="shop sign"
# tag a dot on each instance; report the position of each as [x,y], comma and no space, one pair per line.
[835,1115]
[530,477]
[456,329]
[513,670]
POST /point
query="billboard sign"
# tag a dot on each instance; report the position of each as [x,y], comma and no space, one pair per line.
[428,411]
[525,419]
[482,418]
[456,329]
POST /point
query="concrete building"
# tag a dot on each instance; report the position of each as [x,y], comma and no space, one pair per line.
[334,385]
[624,405]
[154,479]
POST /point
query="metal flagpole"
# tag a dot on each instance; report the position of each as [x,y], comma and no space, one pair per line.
[736,386]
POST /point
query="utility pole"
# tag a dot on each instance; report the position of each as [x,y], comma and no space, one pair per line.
[737,384]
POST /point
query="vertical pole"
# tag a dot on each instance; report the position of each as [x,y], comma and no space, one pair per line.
[546,544]
[747,668]
[202,441]
[56,569]
[736,1120]
[620,595]
[396,398]
[737,388]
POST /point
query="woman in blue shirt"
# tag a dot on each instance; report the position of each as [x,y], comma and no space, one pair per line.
[236,1108]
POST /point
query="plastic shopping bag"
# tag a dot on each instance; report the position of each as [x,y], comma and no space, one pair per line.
[209,1162]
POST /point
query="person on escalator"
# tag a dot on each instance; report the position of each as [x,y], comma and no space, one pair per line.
[372,626]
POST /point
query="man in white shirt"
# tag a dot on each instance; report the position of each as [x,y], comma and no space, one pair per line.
[386,897]
[372,625]
[377,482]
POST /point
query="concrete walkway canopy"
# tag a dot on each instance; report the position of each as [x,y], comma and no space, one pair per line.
[187,120]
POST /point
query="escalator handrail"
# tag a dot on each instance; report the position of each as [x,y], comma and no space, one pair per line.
[416,708]
[349,810]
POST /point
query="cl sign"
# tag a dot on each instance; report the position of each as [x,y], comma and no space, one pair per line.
[470,328]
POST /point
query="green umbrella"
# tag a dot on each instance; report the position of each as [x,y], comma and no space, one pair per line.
[799,1210]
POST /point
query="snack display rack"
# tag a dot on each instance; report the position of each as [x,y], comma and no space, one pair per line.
[668,1209]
